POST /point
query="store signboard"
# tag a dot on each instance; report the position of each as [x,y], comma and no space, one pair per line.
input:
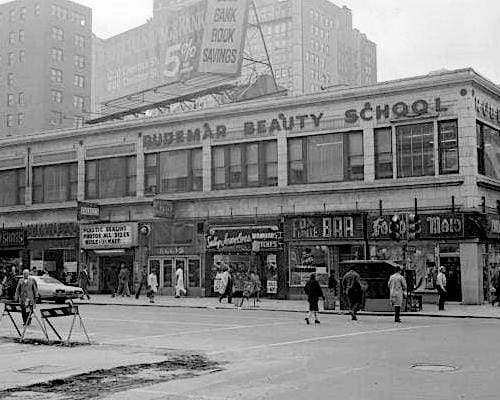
[244,238]
[338,227]
[108,236]
[12,237]
[53,230]
[89,211]
[163,208]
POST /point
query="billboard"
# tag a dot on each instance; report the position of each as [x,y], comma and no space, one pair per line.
[203,37]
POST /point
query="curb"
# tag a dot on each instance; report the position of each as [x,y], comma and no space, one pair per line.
[367,313]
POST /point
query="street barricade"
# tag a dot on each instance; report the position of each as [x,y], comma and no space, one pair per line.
[65,311]
[15,308]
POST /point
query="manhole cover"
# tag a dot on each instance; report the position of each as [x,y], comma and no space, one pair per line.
[434,367]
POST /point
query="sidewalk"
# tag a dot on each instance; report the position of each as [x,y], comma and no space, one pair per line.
[453,310]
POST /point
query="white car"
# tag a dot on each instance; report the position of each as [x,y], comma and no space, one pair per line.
[51,289]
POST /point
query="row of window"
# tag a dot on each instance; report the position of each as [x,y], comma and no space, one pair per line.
[17,36]
[58,56]
[65,14]
[22,13]
[11,99]
[322,33]
[58,35]
[320,47]
[10,119]
[321,18]
[56,76]
[333,157]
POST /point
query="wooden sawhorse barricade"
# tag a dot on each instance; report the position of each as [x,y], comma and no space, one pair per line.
[46,313]
[10,308]
[65,311]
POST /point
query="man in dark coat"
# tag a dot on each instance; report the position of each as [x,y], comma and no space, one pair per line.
[351,282]
[314,293]
[144,281]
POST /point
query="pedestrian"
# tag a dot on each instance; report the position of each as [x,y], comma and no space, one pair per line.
[26,295]
[226,285]
[441,287]
[351,282]
[314,293]
[144,281]
[152,286]
[123,278]
[11,283]
[179,282]
[256,285]
[332,291]
[84,281]
[397,289]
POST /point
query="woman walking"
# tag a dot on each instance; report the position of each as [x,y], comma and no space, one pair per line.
[314,293]
[397,287]
[152,286]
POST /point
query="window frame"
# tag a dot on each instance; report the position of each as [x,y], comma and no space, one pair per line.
[131,178]
[20,186]
[442,150]
[70,183]
[379,154]
[401,153]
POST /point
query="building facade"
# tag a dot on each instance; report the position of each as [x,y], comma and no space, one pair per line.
[286,187]
[45,63]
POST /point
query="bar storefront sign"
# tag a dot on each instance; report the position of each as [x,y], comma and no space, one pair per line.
[108,236]
[325,227]
[244,238]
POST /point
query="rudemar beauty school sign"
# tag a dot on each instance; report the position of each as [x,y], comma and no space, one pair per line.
[244,238]
[108,236]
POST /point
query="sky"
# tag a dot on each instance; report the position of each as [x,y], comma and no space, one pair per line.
[413,37]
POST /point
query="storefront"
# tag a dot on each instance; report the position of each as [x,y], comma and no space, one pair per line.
[13,251]
[316,244]
[53,247]
[104,248]
[246,248]
[445,240]
[173,245]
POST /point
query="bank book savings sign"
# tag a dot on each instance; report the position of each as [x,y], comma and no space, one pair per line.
[224,36]
[108,236]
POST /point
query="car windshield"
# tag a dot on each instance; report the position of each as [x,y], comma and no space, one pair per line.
[49,279]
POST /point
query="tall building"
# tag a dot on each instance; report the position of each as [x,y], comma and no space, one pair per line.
[311,45]
[45,65]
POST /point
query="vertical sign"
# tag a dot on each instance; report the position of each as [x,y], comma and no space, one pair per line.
[224,36]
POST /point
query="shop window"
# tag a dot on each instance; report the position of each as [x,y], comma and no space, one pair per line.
[174,171]
[326,158]
[167,273]
[194,279]
[383,153]
[415,150]
[488,146]
[245,165]
[110,177]
[448,147]
[13,187]
[305,260]
[296,161]
[55,183]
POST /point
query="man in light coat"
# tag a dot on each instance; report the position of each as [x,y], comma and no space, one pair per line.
[397,289]
[179,282]
[441,287]
[226,287]
[26,295]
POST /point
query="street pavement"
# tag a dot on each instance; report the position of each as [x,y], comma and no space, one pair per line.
[268,355]
[452,309]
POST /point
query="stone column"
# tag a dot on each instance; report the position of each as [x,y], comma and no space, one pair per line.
[471,271]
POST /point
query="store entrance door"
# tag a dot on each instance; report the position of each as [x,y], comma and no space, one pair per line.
[453,279]
[109,270]
[165,268]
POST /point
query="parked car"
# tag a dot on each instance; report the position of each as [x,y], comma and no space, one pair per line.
[50,288]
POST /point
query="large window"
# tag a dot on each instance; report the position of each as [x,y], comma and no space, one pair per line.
[326,158]
[110,177]
[383,153]
[55,183]
[174,171]
[13,184]
[448,147]
[245,165]
[415,150]
[488,149]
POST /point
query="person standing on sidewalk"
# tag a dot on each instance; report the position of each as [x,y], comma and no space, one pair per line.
[144,281]
[226,285]
[496,284]
[397,288]
[441,287]
[152,286]
[84,281]
[26,295]
[123,278]
[351,282]
[256,285]
[314,293]
[179,282]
